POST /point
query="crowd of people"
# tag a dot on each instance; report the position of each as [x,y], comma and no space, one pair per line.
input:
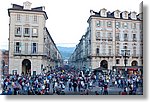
[61,82]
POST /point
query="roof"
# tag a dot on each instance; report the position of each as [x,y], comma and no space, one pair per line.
[110,15]
[20,8]
[51,38]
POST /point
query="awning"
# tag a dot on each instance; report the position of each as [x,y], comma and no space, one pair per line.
[132,69]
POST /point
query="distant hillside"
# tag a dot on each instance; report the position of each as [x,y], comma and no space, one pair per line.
[66,51]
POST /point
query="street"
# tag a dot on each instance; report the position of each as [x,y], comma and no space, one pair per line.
[71,82]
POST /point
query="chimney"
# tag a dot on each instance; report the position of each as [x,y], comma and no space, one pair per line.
[91,12]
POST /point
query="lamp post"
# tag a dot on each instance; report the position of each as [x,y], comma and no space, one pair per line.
[125,58]
[125,61]
[3,66]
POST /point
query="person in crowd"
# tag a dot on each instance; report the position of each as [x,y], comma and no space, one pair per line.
[124,92]
[105,89]
[75,86]
[59,82]
[96,93]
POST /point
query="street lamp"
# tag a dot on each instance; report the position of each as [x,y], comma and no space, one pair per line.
[3,65]
[124,54]
[125,62]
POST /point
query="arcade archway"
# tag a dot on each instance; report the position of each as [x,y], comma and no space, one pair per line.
[104,64]
[134,63]
[26,66]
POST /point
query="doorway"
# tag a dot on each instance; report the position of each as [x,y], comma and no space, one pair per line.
[26,67]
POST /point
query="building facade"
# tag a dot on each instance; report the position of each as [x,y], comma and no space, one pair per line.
[31,47]
[4,68]
[112,40]
[4,54]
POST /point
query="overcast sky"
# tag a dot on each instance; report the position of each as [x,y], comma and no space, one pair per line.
[67,19]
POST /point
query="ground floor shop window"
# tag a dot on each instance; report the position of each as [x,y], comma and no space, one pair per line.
[14,72]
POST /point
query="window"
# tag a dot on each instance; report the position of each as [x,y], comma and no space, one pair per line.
[34,48]
[117,61]
[124,47]
[109,24]
[141,26]
[104,49]
[26,32]
[18,17]
[27,18]
[103,12]
[34,32]
[97,35]
[134,51]
[117,24]
[97,50]
[141,36]
[125,52]
[98,23]
[117,36]
[18,31]
[109,50]
[126,15]
[134,36]
[14,72]
[109,35]
[35,18]
[125,25]
[103,35]
[125,37]
[117,51]
[34,73]
[26,48]
[117,47]
[117,14]
[17,47]
[133,25]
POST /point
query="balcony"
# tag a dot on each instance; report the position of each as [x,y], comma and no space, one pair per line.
[17,35]
[26,35]
[104,38]
[34,35]
[118,54]
[117,38]
[137,55]
[110,38]
[28,53]
[103,54]
[134,40]
[97,38]
[125,39]
[17,52]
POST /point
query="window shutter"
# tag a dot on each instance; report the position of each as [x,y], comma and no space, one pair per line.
[31,47]
[20,47]
[36,47]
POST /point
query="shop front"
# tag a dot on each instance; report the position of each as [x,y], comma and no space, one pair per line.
[130,70]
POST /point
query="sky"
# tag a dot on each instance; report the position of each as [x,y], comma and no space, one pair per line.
[67,19]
